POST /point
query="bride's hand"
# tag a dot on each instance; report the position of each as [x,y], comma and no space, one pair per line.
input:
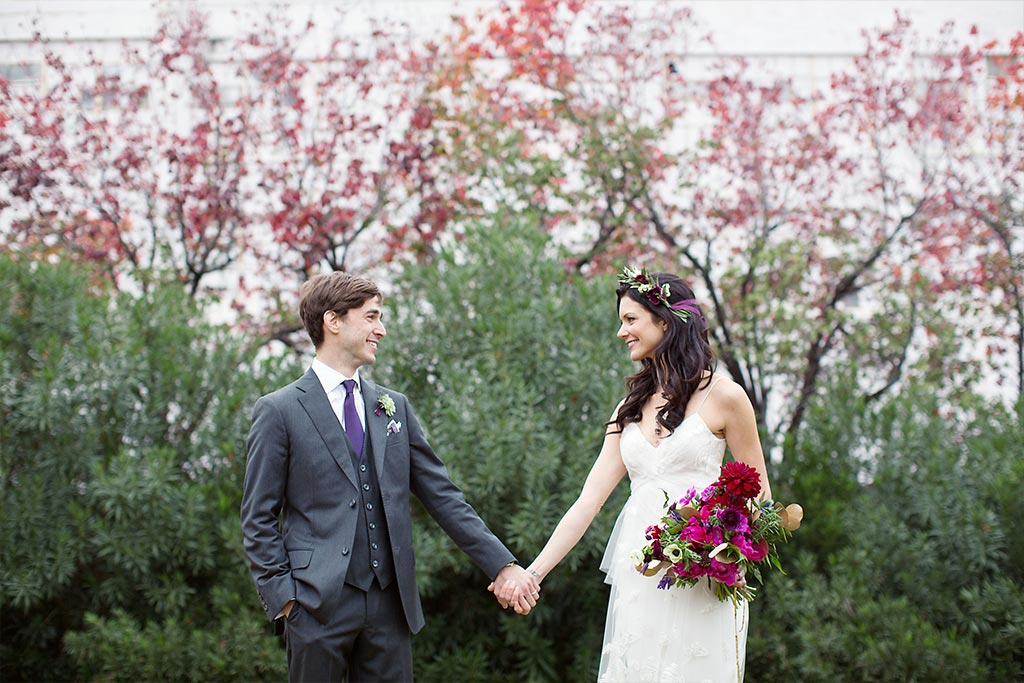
[515,602]
[742,580]
[522,597]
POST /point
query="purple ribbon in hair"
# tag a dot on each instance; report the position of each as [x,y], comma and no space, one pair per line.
[690,306]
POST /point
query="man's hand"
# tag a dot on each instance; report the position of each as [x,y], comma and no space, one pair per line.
[515,586]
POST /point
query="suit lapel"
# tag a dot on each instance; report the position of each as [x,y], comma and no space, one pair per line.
[376,425]
[314,401]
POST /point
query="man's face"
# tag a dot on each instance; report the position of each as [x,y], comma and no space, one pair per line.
[359,331]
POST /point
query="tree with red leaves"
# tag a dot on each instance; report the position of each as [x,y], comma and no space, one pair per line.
[333,160]
[816,225]
[260,159]
[870,229]
[985,185]
[98,165]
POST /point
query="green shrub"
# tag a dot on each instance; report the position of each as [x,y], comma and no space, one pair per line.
[122,424]
[909,573]
[512,364]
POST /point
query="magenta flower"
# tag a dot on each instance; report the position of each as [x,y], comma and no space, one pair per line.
[694,571]
[695,532]
[707,493]
[724,573]
[760,551]
[691,493]
[742,543]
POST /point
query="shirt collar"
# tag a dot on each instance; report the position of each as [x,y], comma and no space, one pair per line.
[331,378]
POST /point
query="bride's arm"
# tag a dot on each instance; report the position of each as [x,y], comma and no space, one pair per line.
[741,433]
[604,476]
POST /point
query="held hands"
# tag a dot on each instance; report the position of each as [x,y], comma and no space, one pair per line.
[516,587]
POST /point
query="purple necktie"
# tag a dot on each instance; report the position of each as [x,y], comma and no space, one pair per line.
[353,427]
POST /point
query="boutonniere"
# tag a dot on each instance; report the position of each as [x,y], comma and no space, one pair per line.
[394,427]
[386,405]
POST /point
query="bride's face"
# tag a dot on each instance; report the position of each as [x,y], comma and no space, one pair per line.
[641,330]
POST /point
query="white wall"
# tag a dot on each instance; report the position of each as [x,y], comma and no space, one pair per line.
[748,27]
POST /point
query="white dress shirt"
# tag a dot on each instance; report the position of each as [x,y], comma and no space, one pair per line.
[331,380]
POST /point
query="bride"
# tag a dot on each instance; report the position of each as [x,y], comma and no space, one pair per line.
[669,434]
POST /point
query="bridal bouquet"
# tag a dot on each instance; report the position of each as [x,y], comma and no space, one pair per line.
[722,533]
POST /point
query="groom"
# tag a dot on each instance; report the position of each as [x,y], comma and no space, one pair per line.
[335,457]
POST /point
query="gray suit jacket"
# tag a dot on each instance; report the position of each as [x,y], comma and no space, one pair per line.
[300,469]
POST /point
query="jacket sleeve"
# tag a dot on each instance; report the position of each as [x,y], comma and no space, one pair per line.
[431,483]
[263,494]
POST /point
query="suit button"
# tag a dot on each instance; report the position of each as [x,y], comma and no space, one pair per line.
[369,506]
[366,487]
[362,468]
[375,564]
[372,526]
[373,545]
[352,503]
[344,551]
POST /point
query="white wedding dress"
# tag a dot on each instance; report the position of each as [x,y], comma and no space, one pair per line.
[680,635]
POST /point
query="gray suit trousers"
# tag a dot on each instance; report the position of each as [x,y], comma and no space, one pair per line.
[367,640]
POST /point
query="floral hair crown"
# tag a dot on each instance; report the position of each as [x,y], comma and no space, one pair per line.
[646,284]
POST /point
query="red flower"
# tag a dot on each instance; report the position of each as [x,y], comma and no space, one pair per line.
[740,480]
[722,498]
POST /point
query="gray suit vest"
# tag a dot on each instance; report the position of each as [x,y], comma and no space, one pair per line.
[371,549]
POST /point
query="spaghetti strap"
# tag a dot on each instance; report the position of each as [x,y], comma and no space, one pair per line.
[714,381]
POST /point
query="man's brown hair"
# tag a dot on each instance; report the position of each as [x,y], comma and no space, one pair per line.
[338,292]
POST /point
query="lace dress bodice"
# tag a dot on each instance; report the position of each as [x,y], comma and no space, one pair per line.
[689,456]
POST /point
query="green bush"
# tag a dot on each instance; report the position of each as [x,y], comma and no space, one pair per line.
[122,428]
[512,364]
[910,572]
[228,643]
[122,424]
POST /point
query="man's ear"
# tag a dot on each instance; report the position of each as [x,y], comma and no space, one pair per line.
[332,322]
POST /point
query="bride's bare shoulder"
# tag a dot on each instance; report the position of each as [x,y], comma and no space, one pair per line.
[728,395]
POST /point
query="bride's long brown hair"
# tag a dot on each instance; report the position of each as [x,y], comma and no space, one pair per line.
[683,362]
